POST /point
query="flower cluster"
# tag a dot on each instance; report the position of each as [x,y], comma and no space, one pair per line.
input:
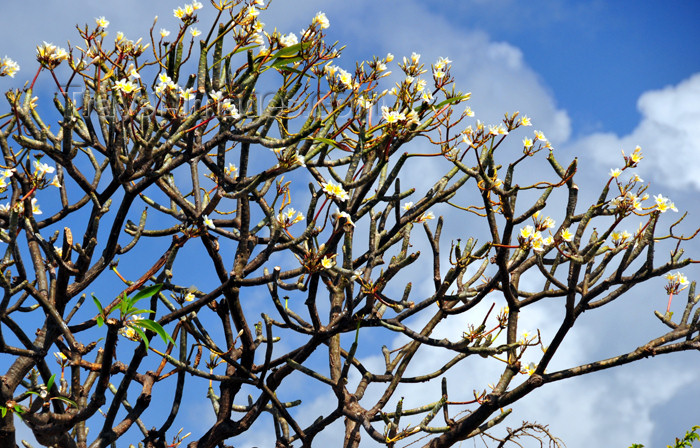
[128,46]
[633,159]
[8,67]
[40,172]
[186,13]
[165,84]
[50,56]
[620,238]
[339,78]
[287,218]
[531,235]
[392,116]
[288,40]
[441,67]
[320,20]
[676,283]
[4,176]
[334,191]
[664,204]
[126,86]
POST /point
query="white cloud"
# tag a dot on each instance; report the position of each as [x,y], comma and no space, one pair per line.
[668,132]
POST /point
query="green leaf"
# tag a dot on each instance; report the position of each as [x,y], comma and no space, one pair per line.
[155,327]
[327,141]
[147,292]
[249,47]
[140,332]
[3,411]
[67,400]
[132,311]
[100,321]
[455,99]
[99,305]
[49,384]
[279,63]
[124,305]
[288,52]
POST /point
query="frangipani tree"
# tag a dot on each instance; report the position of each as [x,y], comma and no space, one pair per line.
[151,179]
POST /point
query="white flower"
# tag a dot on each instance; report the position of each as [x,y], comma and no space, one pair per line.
[208,222]
[8,67]
[216,96]
[230,169]
[321,20]
[35,207]
[287,218]
[133,74]
[102,22]
[327,262]
[42,168]
[392,116]
[230,109]
[125,86]
[663,204]
[408,205]
[164,33]
[566,234]
[425,217]
[335,191]
[345,215]
[289,40]
[195,32]
[187,94]
[442,63]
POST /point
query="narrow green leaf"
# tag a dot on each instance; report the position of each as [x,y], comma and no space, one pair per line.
[156,328]
[455,99]
[327,141]
[100,321]
[132,311]
[249,47]
[67,400]
[279,63]
[146,292]
[287,52]
[99,305]
[140,332]
[49,384]
[3,411]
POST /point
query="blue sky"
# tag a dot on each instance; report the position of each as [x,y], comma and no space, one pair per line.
[595,76]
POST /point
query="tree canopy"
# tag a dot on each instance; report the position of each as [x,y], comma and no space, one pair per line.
[222,212]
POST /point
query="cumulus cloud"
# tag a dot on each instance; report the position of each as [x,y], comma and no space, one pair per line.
[668,132]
